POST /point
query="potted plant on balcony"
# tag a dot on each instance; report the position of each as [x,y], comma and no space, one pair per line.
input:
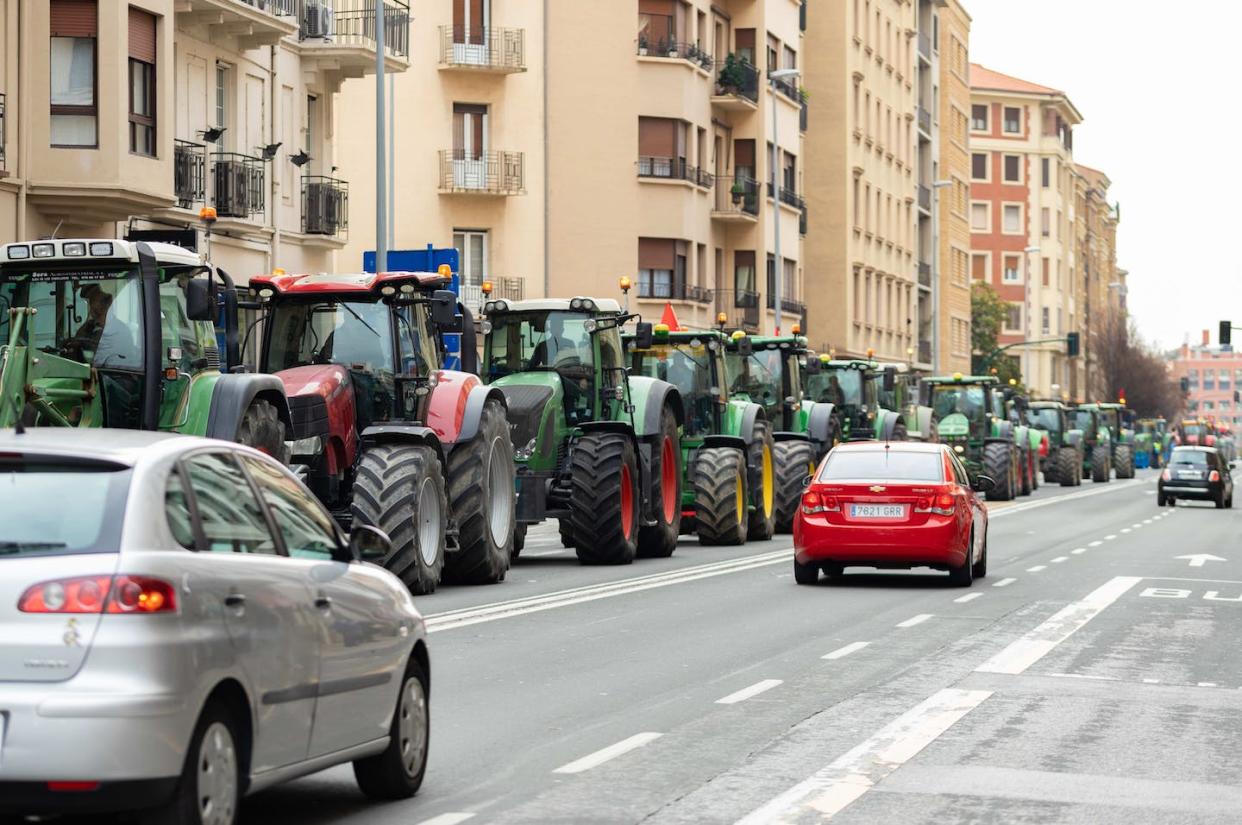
[642,45]
[737,191]
[732,78]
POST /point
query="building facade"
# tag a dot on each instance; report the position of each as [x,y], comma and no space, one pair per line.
[1022,200]
[951,192]
[1099,283]
[640,146]
[122,117]
[1213,376]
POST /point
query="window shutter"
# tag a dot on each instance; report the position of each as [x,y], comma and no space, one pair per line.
[141,35]
[744,153]
[657,137]
[656,253]
[74,18]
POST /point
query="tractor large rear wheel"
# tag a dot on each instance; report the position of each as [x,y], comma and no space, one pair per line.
[1024,473]
[481,492]
[1069,465]
[261,428]
[719,478]
[1123,461]
[794,461]
[605,503]
[399,488]
[660,540]
[998,463]
[1100,463]
[761,463]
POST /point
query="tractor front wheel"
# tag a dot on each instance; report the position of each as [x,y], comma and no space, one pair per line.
[519,541]
[1100,463]
[261,428]
[1123,461]
[998,463]
[481,491]
[605,503]
[794,460]
[1068,466]
[761,462]
[399,488]
[720,496]
[660,540]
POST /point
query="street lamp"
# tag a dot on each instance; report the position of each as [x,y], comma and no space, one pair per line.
[779,264]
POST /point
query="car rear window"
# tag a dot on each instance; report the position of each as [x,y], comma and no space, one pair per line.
[883,465]
[55,506]
[1199,458]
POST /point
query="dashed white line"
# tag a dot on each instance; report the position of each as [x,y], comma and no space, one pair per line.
[1004,582]
[1207,684]
[1147,521]
[842,652]
[1060,559]
[1037,568]
[1125,529]
[1136,525]
[1095,544]
[748,692]
[913,620]
[1078,551]
[603,755]
[447,819]
[969,597]
[1110,537]
[1151,681]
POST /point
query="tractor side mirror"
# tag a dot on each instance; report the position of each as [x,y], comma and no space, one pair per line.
[806,481]
[745,347]
[444,308]
[982,484]
[812,366]
[644,335]
[890,379]
[200,300]
[367,543]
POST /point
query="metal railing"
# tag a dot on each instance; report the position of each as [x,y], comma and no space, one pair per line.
[788,196]
[925,120]
[672,48]
[789,305]
[352,23]
[734,76]
[490,173]
[737,194]
[925,352]
[2,166]
[279,8]
[740,306]
[325,205]
[509,288]
[674,169]
[699,294]
[924,193]
[189,172]
[483,47]
[238,181]
[804,116]
[925,274]
[925,46]
[789,88]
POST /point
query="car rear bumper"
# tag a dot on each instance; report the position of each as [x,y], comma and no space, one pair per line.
[937,543]
[1184,490]
[39,798]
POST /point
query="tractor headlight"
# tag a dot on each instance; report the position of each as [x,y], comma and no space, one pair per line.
[958,448]
[589,325]
[524,453]
[305,446]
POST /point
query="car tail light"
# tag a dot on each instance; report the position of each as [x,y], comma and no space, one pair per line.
[100,594]
[1167,475]
[812,503]
[72,787]
[1214,476]
[942,504]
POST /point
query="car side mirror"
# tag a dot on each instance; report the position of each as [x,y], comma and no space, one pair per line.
[444,308]
[367,543]
[983,484]
[890,379]
[745,347]
[644,335]
[200,300]
[1233,464]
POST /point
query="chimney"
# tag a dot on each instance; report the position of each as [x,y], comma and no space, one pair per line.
[1207,338]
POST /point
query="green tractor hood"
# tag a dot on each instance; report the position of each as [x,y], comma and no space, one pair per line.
[954,425]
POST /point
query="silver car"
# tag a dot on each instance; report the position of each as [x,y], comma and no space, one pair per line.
[182,623]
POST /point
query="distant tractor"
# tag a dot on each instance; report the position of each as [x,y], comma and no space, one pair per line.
[1063,461]
[1121,437]
[596,448]
[389,438]
[972,418]
[109,333]
[900,395]
[1152,442]
[854,388]
[1031,441]
[1092,432]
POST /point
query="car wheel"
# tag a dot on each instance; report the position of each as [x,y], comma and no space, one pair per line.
[980,568]
[398,772]
[805,573]
[1219,500]
[1171,501]
[1160,499]
[964,574]
[209,790]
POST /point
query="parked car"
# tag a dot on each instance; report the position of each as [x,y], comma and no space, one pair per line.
[892,505]
[182,623]
[1199,473]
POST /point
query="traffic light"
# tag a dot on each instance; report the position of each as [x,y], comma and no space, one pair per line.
[1185,384]
[1226,333]
[1071,344]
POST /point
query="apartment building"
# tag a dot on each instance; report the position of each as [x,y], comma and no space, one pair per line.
[866,176]
[1213,375]
[1100,286]
[563,145]
[1022,216]
[951,191]
[129,117]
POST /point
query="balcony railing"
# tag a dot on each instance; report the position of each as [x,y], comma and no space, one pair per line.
[789,305]
[789,88]
[674,169]
[925,274]
[511,289]
[280,8]
[924,193]
[488,173]
[487,48]
[677,290]
[325,206]
[740,306]
[3,168]
[788,196]
[804,116]
[738,194]
[925,352]
[238,180]
[736,77]
[925,46]
[189,172]
[352,23]
[925,120]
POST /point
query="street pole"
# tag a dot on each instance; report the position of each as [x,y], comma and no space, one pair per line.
[381,166]
[777,266]
[392,161]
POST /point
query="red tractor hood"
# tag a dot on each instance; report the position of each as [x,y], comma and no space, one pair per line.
[324,380]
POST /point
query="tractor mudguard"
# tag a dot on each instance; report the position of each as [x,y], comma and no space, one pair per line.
[785,435]
[446,409]
[749,416]
[888,425]
[924,416]
[649,397]
[731,441]
[476,397]
[997,440]
[232,395]
[1004,432]
[402,434]
[819,421]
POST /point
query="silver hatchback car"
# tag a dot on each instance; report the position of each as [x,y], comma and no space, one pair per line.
[182,623]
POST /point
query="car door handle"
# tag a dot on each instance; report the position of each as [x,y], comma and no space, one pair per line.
[235,600]
[323,602]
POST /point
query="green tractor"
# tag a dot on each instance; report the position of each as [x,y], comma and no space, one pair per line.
[1062,461]
[1090,428]
[853,388]
[971,416]
[1152,442]
[900,396]
[110,333]
[594,447]
[1031,441]
[719,435]
[1121,437]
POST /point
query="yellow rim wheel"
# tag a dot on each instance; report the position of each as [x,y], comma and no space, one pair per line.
[769,495]
[741,500]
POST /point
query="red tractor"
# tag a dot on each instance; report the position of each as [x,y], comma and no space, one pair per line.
[388,437]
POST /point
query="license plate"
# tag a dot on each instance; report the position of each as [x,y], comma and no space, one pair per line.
[1190,474]
[878,511]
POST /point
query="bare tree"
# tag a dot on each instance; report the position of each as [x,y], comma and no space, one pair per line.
[1130,365]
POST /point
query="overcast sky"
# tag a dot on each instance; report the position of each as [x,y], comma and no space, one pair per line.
[1156,86]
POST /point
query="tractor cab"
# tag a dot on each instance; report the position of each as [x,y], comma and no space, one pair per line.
[693,362]
[964,406]
[767,371]
[847,384]
[1049,416]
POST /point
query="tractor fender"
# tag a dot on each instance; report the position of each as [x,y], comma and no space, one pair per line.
[446,409]
[819,422]
[790,436]
[401,434]
[650,396]
[1004,432]
[750,415]
[924,417]
[998,440]
[889,424]
[232,395]
[478,395]
[730,441]
[1072,438]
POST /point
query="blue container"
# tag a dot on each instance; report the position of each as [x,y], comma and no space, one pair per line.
[426,260]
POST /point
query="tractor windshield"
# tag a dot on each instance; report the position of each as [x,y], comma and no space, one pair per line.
[357,335]
[1082,420]
[956,398]
[758,376]
[1109,419]
[690,368]
[551,341]
[1047,418]
[836,385]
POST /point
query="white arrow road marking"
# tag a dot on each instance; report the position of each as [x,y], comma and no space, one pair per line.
[611,752]
[1199,559]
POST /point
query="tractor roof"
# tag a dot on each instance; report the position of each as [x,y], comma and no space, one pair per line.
[849,363]
[344,283]
[1047,404]
[602,305]
[95,249]
[683,334]
[962,379]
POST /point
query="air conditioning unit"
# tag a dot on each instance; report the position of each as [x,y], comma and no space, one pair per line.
[317,19]
[323,209]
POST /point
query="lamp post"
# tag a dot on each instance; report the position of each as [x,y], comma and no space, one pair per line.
[935,274]
[779,264]
[1026,311]
[381,166]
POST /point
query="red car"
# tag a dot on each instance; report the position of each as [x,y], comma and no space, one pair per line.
[892,505]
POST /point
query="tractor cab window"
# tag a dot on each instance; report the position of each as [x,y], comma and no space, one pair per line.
[417,343]
[758,376]
[998,405]
[96,322]
[1109,419]
[687,365]
[948,399]
[842,387]
[886,398]
[547,340]
[1084,421]
[1047,418]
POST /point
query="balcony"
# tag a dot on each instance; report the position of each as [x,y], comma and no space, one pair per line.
[338,36]
[676,291]
[804,117]
[802,221]
[788,87]
[788,196]
[674,169]
[189,172]
[325,206]
[659,39]
[737,85]
[483,49]
[788,305]
[741,308]
[925,120]
[737,199]
[4,171]
[489,173]
[253,23]
[925,46]
[239,185]
[511,289]
[925,278]
[924,198]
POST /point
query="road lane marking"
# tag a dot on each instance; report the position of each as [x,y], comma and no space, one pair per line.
[748,692]
[1096,543]
[1004,582]
[1110,537]
[1032,647]
[447,819]
[1151,681]
[1078,551]
[969,597]
[1199,559]
[1037,568]
[467,616]
[603,755]
[1032,505]
[1147,521]
[832,788]
[1125,529]
[842,652]
[913,620]
[1207,684]
[1060,559]
[1136,525]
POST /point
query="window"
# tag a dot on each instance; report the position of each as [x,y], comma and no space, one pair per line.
[231,517]
[1013,169]
[1046,271]
[979,217]
[979,266]
[1045,172]
[979,117]
[224,77]
[1209,380]
[1012,122]
[1012,273]
[1011,218]
[1045,222]
[1046,321]
[661,268]
[1013,318]
[978,166]
[74,110]
[141,82]
[306,529]
[472,248]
